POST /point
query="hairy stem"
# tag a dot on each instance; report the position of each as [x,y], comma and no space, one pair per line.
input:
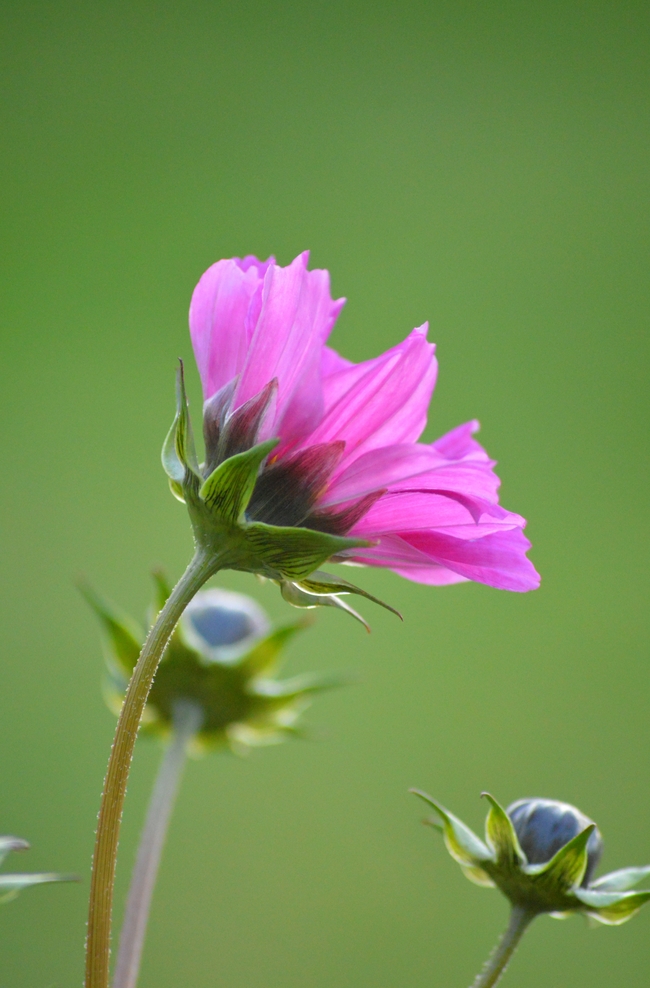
[98,940]
[187,721]
[499,958]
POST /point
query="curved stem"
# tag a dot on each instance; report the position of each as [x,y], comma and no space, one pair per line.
[187,721]
[98,940]
[496,964]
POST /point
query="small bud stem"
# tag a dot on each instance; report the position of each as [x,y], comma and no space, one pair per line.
[498,960]
[98,940]
[187,718]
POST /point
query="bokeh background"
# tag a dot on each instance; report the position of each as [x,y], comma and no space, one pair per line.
[480,164]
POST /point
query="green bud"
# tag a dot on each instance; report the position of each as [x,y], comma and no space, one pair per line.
[541,855]
[222,658]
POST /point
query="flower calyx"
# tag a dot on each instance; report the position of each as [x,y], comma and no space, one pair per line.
[222,659]
[541,854]
[255,514]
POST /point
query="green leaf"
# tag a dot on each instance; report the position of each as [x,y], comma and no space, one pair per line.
[229,487]
[293,595]
[620,881]
[296,552]
[322,584]
[501,836]
[8,844]
[124,635]
[611,908]
[566,869]
[263,658]
[11,885]
[179,454]
[462,843]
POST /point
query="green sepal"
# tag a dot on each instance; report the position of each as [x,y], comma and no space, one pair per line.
[11,885]
[229,487]
[500,835]
[296,552]
[294,595]
[462,843]
[301,685]
[124,636]
[262,660]
[567,867]
[8,844]
[611,908]
[478,876]
[178,453]
[620,881]
[322,584]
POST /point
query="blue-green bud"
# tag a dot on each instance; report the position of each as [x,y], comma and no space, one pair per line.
[222,659]
[223,625]
[541,854]
[544,826]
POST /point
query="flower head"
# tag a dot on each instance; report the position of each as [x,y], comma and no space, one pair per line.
[309,457]
[221,659]
[542,854]
[11,885]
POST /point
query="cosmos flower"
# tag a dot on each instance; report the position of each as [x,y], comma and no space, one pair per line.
[334,466]
[542,854]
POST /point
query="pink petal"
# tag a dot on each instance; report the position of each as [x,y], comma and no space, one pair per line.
[296,316]
[407,465]
[498,559]
[433,576]
[219,319]
[331,362]
[381,401]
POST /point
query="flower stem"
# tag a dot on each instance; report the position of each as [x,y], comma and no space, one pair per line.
[187,718]
[98,940]
[499,958]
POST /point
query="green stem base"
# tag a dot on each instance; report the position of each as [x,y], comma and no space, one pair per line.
[520,919]
[98,940]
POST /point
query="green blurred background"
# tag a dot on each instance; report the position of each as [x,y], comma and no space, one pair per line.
[482,165]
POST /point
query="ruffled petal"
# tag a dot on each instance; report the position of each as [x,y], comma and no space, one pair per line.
[400,467]
[220,323]
[498,559]
[296,316]
[382,401]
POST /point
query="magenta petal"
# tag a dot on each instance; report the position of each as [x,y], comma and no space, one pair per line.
[411,465]
[498,559]
[331,362]
[296,316]
[433,576]
[219,319]
[381,401]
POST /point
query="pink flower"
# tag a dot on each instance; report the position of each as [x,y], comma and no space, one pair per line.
[348,462]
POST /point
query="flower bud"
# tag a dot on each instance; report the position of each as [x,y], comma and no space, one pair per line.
[223,625]
[222,659]
[544,826]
